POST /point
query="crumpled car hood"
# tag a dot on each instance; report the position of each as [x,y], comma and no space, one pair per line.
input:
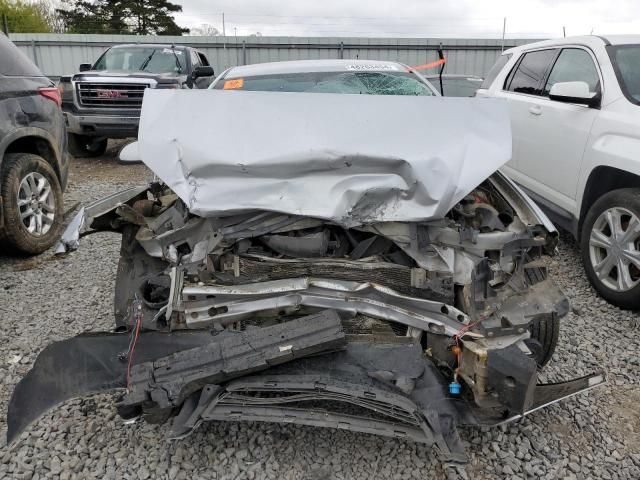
[350,159]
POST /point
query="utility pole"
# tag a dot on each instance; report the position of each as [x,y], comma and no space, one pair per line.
[224,38]
[235,34]
[504,29]
[564,32]
[5,24]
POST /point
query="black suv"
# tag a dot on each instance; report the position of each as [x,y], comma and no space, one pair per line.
[104,100]
[33,154]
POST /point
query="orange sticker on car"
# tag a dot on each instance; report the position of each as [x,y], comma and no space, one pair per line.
[234,84]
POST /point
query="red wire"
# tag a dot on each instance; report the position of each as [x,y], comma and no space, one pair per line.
[465,329]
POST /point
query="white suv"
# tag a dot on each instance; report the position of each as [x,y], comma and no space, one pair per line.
[575,115]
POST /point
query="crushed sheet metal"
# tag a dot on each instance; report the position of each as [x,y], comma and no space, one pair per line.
[209,305]
[70,239]
[350,159]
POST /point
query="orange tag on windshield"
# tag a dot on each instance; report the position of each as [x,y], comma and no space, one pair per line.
[234,84]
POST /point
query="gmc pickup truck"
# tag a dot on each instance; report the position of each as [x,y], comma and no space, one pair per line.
[104,100]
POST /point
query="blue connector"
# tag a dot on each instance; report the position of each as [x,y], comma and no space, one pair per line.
[454,388]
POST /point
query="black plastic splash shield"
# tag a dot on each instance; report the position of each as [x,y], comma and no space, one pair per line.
[88,363]
[93,363]
[382,389]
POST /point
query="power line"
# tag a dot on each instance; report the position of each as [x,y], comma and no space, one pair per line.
[385,18]
[363,25]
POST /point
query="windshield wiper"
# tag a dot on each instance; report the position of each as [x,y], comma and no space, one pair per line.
[146,61]
[178,64]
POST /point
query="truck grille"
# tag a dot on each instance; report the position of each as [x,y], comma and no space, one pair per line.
[111,95]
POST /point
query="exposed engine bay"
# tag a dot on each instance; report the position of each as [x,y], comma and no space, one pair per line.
[403,329]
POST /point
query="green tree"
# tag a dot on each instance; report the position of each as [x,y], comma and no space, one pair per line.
[153,17]
[101,16]
[24,17]
[143,17]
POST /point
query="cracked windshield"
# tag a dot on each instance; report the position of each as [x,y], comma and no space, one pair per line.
[366,83]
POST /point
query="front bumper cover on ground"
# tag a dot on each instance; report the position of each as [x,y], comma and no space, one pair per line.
[305,371]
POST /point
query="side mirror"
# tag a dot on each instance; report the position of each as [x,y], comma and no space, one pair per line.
[85,66]
[574,92]
[202,71]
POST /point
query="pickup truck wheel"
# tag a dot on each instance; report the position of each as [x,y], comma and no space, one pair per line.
[31,202]
[610,245]
[86,146]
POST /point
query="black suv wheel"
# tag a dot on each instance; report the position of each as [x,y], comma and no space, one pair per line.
[32,203]
[86,146]
[610,245]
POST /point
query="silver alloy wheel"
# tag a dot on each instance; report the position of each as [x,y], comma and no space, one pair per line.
[614,249]
[36,203]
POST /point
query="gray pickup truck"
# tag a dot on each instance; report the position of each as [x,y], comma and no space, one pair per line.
[103,100]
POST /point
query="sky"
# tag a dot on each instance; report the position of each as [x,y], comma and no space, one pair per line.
[413,18]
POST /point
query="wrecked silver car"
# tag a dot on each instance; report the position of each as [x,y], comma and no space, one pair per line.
[311,260]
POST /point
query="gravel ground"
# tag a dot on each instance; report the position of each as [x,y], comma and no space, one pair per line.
[594,435]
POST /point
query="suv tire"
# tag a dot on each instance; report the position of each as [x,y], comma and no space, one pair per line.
[86,146]
[610,247]
[544,338]
[32,203]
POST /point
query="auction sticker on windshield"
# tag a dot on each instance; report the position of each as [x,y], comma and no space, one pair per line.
[372,66]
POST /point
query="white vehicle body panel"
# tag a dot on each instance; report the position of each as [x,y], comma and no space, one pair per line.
[559,149]
[539,144]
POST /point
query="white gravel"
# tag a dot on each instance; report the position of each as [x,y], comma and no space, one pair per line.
[595,435]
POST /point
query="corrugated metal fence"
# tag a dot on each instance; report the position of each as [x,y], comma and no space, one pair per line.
[60,54]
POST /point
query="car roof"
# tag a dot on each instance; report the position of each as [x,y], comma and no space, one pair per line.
[151,45]
[622,39]
[452,76]
[592,41]
[307,66]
